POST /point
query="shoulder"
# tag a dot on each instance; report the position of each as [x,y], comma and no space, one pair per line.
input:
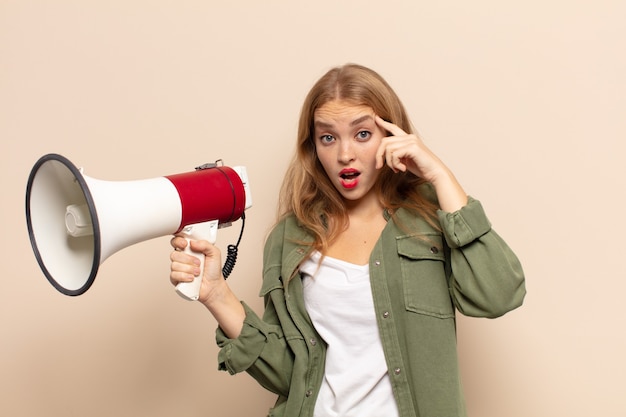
[286,234]
[285,227]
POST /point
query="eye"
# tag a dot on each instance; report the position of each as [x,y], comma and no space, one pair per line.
[326,139]
[363,135]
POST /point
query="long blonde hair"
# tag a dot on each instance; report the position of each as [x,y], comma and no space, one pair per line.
[307,192]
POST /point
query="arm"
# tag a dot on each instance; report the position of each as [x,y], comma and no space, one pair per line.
[486,278]
[248,343]
[267,347]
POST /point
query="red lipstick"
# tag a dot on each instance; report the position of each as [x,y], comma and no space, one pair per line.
[349,177]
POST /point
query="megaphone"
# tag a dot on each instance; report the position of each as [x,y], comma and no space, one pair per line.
[76,222]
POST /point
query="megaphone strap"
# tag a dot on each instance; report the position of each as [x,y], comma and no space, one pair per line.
[232,189]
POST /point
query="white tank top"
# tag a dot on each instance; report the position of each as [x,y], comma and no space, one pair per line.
[338,298]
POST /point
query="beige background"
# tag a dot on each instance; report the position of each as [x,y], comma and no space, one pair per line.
[525,101]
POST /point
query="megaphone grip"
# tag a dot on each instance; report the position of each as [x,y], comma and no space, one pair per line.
[199,231]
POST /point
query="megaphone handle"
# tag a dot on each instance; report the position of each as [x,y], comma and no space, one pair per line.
[199,231]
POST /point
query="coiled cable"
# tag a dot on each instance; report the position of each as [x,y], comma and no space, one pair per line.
[231,255]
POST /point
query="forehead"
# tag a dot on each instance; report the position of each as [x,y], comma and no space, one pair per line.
[341,111]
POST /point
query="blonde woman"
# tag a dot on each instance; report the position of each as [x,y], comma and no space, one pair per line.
[376,247]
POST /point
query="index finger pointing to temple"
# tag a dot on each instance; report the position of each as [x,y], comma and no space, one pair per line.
[389,127]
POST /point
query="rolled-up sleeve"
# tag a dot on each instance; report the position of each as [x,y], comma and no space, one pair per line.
[465,225]
[237,355]
[260,350]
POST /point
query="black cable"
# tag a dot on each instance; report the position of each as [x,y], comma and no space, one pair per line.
[231,257]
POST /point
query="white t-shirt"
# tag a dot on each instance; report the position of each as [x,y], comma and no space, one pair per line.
[338,298]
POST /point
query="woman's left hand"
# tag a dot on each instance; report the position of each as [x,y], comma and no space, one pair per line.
[403,151]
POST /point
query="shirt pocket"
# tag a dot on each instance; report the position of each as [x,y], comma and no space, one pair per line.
[422,262]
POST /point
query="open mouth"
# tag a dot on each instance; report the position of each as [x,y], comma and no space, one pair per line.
[349,175]
[349,178]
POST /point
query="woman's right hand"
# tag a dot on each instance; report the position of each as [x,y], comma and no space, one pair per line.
[215,294]
[185,267]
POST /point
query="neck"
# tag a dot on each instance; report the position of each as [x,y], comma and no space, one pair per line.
[364,209]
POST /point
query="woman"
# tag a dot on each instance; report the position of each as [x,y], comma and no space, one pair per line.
[376,246]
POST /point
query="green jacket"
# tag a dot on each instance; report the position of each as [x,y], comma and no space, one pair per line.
[418,276]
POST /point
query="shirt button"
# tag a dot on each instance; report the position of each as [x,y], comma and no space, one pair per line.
[308,393]
[434,250]
[377,263]
[313,342]
[396,371]
[385,314]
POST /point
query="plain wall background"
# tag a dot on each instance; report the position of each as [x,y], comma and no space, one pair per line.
[525,101]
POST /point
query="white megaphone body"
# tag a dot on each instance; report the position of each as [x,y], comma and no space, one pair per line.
[76,222]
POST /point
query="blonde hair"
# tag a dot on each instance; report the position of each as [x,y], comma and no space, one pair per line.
[307,192]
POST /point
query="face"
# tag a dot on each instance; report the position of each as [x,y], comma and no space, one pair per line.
[346,141]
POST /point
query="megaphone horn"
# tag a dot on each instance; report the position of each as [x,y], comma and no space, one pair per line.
[76,222]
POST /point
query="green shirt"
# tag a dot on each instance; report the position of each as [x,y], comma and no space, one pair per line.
[419,275]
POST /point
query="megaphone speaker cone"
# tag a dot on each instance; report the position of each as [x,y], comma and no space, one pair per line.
[70,264]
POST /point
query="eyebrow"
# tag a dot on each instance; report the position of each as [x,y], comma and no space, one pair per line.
[361,120]
[352,123]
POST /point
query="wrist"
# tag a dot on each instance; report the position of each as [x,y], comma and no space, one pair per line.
[216,292]
[225,308]
[450,194]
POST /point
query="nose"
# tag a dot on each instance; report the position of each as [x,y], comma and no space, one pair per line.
[345,151]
